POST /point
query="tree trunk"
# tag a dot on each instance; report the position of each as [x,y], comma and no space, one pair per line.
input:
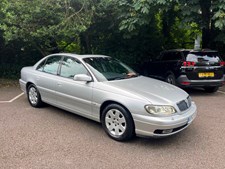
[1,40]
[85,43]
[206,23]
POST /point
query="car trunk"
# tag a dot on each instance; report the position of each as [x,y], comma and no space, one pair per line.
[204,66]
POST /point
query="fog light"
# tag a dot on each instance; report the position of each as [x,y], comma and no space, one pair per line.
[167,131]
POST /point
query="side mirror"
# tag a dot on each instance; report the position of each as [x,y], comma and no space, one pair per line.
[82,77]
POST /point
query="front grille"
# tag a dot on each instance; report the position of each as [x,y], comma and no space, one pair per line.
[184,104]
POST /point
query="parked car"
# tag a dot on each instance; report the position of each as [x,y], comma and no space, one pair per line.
[106,90]
[188,68]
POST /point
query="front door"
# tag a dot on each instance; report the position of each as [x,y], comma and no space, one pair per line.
[75,96]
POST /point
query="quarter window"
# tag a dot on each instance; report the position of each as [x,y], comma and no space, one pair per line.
[40,67]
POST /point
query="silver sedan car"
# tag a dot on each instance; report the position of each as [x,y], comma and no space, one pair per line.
[104,89]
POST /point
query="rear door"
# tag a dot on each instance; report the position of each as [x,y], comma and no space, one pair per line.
[205,66]
[46,78]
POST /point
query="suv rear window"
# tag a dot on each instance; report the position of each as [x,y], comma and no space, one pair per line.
[203,57]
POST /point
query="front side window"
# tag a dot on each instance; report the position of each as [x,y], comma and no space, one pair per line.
[71,67]
[106,68]
[52,64]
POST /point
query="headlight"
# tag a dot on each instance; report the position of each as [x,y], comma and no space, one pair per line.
[160,110]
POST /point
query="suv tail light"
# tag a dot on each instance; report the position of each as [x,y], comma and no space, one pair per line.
[222,63]
[187,63]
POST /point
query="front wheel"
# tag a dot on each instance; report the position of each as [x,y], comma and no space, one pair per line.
[34,96]
[117,122]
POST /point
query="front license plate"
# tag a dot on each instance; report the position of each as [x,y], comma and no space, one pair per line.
[208,74]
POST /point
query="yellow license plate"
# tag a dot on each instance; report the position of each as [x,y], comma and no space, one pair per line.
[208,74]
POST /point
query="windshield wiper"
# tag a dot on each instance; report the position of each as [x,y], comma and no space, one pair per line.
[117,78]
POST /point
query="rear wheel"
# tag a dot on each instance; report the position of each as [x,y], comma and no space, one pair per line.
[117,122]
[34,96]
[171,79]
[211,89]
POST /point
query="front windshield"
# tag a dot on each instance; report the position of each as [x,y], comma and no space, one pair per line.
[107,68]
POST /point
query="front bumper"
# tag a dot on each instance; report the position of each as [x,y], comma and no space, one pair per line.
[164,126]
[183,81]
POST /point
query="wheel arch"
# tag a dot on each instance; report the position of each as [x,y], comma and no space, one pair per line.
[27,85]
[173,74]
[108,102]
[39,102]
[169,73]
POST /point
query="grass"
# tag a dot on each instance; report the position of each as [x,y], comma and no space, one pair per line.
[8,82]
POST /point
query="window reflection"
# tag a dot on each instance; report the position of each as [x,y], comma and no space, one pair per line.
[51,65]
[71,67]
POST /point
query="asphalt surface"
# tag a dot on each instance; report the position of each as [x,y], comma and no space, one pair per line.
[51,138]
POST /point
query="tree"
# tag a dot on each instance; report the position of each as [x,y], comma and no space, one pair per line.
[209,15]
[192,16]
[50,26]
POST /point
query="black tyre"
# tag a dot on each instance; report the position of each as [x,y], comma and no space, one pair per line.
[34,96]
[117,122]
[211,89]
[171,79]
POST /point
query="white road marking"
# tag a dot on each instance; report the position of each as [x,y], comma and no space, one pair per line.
[221,92]
[13,99]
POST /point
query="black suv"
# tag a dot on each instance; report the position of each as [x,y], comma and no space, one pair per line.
[188,68]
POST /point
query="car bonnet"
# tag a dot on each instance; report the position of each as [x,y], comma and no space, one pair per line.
[155,91]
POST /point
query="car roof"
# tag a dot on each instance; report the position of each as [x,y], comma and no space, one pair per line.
[204,50]
[190,50]
[178,50]
[79,56]
[76,56]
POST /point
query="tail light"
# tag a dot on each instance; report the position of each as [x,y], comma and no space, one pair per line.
[185,83]
[187,64]
[222,63]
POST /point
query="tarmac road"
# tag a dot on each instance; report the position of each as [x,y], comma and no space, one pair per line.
[50,138]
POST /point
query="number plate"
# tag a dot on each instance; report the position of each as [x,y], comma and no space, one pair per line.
[208,74]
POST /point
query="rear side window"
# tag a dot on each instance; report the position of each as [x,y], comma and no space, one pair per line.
[169,56]
[203,57]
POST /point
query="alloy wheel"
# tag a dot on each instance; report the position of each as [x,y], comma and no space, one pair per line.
[33,95]
[115,122]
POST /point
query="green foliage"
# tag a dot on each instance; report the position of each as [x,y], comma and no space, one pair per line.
[132,30]
[44,23]
[219,15]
